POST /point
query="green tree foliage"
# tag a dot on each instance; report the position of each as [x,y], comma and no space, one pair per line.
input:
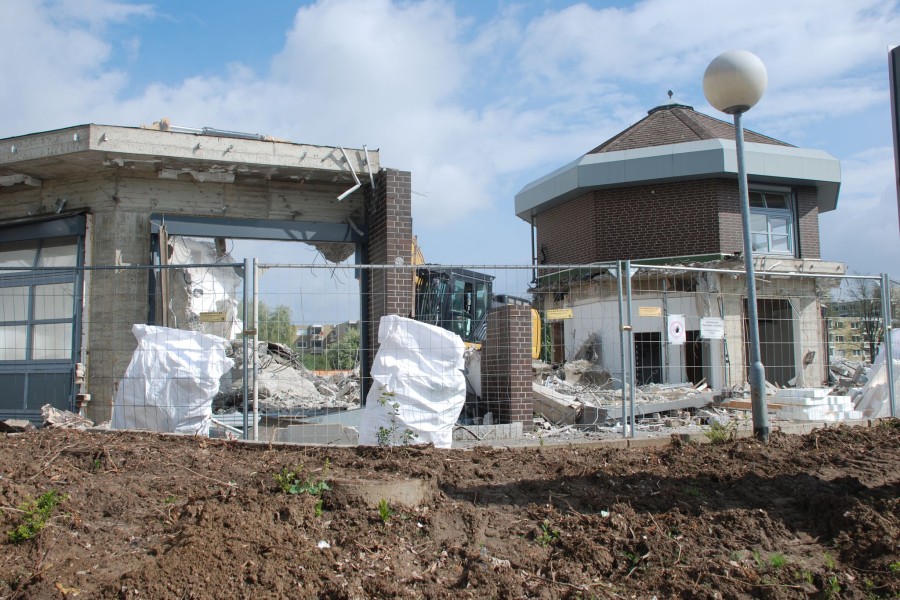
[345,354]
[276,324]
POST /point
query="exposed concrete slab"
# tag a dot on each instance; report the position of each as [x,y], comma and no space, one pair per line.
[594,415]
[404,492]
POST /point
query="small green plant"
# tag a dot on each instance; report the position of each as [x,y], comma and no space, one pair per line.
[318,509]
[829,562]
[170,500]
[806,577]
[832,587]
[757,558]
[777,561]
[719,434]
[96,465]
[895,567]
[293,482]
[392,436]
[35,516]
[384,511]
[547,535]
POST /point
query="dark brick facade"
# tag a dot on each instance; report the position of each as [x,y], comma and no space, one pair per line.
[653,221]
[506,365]
[389,221]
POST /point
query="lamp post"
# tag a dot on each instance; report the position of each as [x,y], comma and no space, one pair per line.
[733,83]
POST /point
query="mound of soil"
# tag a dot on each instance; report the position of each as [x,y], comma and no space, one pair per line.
[148,516]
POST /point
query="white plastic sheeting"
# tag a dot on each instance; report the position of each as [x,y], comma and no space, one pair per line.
[170,382]
[418,387]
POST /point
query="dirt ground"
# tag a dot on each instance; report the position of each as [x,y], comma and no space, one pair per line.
[148,516]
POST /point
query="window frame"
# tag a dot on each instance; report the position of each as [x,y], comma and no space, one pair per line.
[788,213]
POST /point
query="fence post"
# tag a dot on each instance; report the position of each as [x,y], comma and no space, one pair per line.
[622,327]
[255,346]
[888,337]
[632,375]
[246,318]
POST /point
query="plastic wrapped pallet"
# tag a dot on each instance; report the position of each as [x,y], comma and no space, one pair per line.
[170,382]
[418,388]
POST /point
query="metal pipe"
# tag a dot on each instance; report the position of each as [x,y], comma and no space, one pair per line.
[369,167]
[246,317]
[757,373]
[352,172]
[888,338]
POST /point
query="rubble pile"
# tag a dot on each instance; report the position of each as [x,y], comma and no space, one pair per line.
[284,384]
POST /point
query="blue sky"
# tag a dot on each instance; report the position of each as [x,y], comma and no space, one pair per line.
[476,99]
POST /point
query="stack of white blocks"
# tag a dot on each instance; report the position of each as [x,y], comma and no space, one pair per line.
[815,404]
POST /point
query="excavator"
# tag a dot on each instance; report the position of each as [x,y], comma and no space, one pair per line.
[459,300]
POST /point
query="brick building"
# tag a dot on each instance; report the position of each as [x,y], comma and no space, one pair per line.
[665,190]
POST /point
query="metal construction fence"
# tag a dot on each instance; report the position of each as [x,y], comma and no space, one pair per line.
[286,352]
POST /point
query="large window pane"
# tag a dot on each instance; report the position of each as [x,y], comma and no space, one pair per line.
[776,200]
[756,200]
[760,242]
[59,252]
[52,341]
[18,254]
[779,225]
[12,342]
[781,243]
[54,301]
[759,223]
[13,303]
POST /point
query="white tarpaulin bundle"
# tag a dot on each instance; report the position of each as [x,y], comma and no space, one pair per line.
[418,387]
[170,382]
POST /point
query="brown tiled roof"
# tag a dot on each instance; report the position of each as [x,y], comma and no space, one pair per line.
[673,124]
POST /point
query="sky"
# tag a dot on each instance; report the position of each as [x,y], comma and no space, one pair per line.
[476,98]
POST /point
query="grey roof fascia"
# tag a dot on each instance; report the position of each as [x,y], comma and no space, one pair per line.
[704,159]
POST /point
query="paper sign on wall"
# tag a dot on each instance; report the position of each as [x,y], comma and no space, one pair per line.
[676,330]
[712,328]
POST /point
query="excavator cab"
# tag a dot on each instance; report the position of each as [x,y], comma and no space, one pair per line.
[454,299]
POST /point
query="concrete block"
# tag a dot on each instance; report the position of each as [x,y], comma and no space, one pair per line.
[803,392]
[503,431]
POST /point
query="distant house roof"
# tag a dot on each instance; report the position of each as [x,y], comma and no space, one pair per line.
[673,143]
[676,124]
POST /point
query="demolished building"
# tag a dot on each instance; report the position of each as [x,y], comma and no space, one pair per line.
[87,212]
[664,194]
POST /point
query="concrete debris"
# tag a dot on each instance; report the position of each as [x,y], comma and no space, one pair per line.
[556,407]
[16,426]
[285,385]
[63,419]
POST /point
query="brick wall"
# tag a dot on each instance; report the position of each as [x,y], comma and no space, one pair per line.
[506,365]
[646,221]
[389,220]
[808,219]
[653,221]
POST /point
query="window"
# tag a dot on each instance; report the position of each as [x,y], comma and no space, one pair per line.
[838,338]
[855,338]
[771,222]
[854,325]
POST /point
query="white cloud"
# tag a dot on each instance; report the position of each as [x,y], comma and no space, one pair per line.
[864,231]
[474,109]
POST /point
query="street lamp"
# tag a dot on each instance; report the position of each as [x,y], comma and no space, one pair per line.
[733,83]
